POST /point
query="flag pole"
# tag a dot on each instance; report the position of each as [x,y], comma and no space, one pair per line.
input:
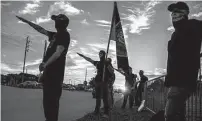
[108,44]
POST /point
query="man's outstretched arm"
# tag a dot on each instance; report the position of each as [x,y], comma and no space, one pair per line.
[36,27]
[86,58]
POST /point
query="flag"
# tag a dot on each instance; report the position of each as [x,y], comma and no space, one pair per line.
[116,34]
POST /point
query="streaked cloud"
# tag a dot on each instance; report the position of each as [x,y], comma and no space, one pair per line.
[141,19]
[103,21]
[33,63]
[197,14]
[6,68]
[30,8]
[104,25]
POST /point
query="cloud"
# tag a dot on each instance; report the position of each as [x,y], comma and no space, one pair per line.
[104,25]
[20,22]
[58,8]
[30,8]
[103,21]
[84,22]
[171,28]
[73,43]
[43,19]
[159,71]
[6,68]
[197,14]
[36,1]
[141,19]
[33,63]
[64,7]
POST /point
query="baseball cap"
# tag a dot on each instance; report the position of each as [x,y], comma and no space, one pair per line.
[60,17]
[179,5]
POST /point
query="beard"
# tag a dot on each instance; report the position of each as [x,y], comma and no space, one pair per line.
[180,24]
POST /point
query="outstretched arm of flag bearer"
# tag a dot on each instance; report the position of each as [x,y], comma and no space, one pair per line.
[36,27]
[86,58]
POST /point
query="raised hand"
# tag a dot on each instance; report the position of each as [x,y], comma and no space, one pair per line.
[87,58]
[22,19]
[80,55]
[35,26]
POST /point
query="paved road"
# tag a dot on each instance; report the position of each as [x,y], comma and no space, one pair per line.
[26,104]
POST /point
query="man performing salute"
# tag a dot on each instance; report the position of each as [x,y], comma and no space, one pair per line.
[130,86]
[101,86]
[183,61]
[53,64]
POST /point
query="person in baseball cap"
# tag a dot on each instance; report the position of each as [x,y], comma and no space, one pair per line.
[61,21]
[180,12]
[53,64]
[181,6]
[183,61]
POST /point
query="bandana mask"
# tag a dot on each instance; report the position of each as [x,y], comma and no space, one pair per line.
[178,15]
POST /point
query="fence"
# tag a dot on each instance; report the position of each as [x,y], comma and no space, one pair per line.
[155,96]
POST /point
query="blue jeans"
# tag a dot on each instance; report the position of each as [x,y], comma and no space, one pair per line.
[176,104]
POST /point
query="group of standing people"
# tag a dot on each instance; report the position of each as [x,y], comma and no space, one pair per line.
[182,66]
[133,89]
[104,86]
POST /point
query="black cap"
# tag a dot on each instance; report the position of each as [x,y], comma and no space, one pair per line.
[141,71]
[60,17]
[178,5]
[102,51]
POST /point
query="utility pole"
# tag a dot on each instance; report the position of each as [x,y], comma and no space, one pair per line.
[26,50]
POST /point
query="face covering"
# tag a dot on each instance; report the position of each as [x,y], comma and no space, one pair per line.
[179,18]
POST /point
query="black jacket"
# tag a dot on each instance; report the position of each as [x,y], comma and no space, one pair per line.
[184,56]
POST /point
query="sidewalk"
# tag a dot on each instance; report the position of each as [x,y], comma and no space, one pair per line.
[119,114]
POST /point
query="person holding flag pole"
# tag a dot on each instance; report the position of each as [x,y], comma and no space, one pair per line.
[101,84]
[117,35]
[130,86]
